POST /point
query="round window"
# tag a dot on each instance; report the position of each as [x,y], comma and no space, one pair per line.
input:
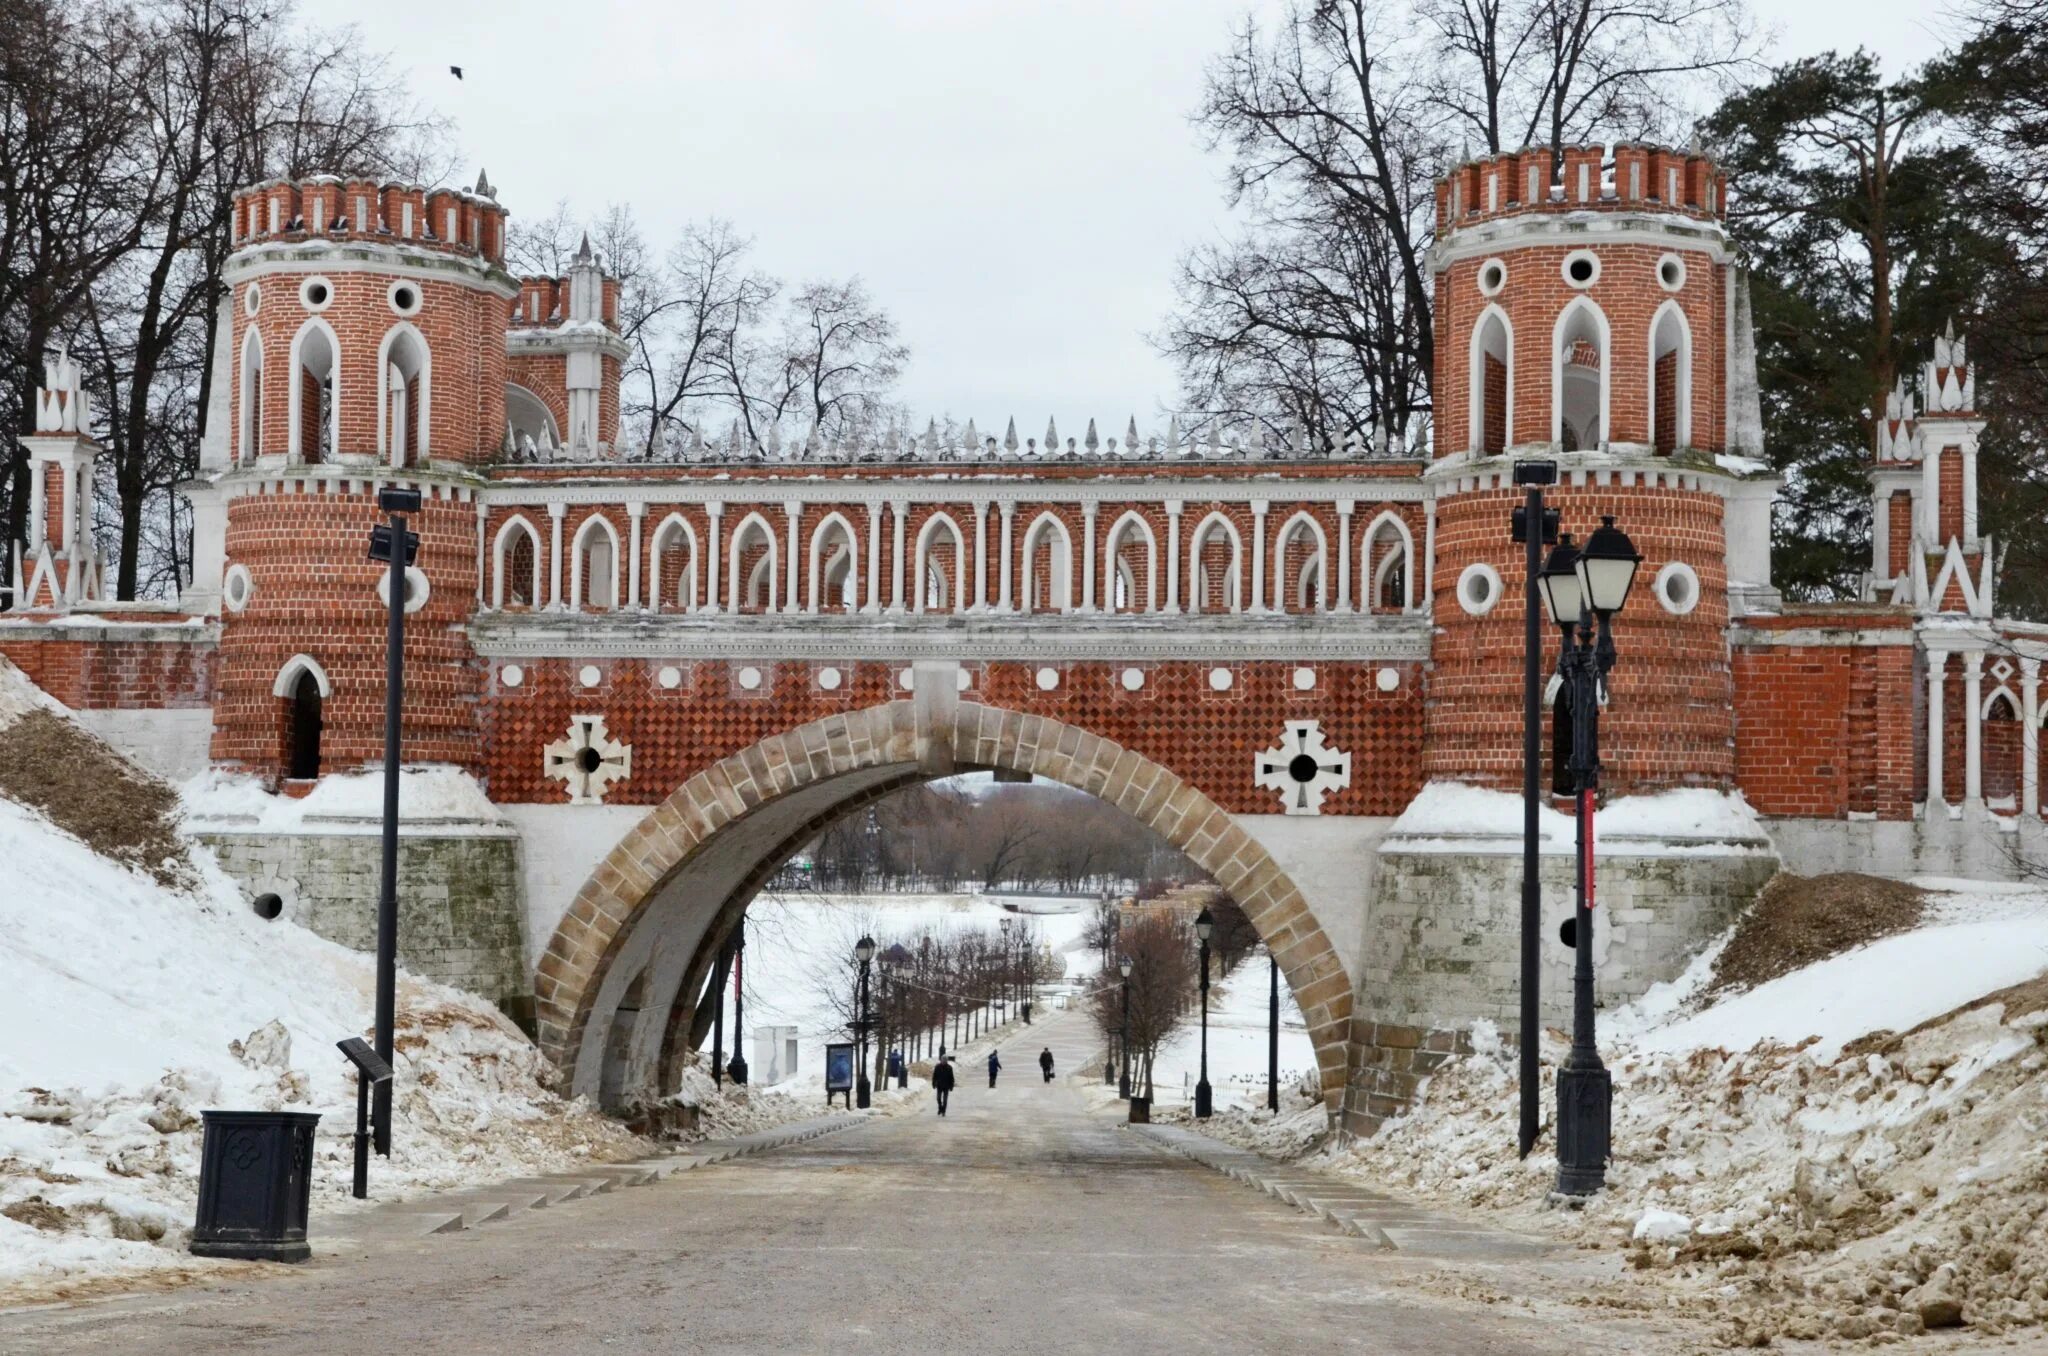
[1671,273]
[237,586]
[1479,589]
[750,678]
[511,675]
[670,677]
[1493,275]
[316,293]
[830,679]
[1221,679]
[1678,588]
[1133,679]
[1047,679]
[1582,268]
[415,588]
[405,298]
[252,298]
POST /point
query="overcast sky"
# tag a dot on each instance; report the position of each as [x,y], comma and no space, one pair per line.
[1014,181]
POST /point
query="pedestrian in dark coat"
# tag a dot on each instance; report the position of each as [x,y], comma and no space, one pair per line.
[942,1081]
[995,1066]
[1045,1062]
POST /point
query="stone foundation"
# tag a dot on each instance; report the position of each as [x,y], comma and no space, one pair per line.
[459,908]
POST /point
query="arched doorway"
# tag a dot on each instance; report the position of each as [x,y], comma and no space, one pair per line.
[651,919]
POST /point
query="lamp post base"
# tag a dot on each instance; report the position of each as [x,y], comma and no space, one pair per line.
[1204,1101]
[737,1070]
[863,1096]
[1585,1111]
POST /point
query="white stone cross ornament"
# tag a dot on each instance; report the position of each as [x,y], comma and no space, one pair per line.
[588,759]
[1303,769]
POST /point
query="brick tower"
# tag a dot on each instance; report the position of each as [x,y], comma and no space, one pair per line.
[364,345]
[1590,316]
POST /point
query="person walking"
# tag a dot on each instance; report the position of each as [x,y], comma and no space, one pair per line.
[995,1066]
[942,1081]
[1045,1062]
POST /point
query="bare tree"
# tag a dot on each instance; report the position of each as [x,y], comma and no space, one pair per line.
[1161,947]
[1335,123]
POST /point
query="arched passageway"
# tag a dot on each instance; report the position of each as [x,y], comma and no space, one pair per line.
[649,922]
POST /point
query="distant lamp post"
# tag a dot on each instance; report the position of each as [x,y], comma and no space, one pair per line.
[863,1091]
[1123,1040]
[1273,1033]
[893,960]
[1007,980]
[1584,588]
[738,1068]
[1204,925]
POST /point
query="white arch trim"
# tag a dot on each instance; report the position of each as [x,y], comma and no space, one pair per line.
[1682,388]
[1302,517]
[297,667]
[956,593]
[1113,545]
[518,396]
[1233,588]
[835,523]
[402,330]
[675,522]
[1998,694]
[736,587]
[294,440]
[1557,365]
[1406,555]
[249,437]
[595,522]
[1049,520]
[1475,389]
[502,543]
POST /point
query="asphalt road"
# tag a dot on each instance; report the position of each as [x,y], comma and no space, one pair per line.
[1023,1222]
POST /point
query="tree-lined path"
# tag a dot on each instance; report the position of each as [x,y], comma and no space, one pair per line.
[1027,1221]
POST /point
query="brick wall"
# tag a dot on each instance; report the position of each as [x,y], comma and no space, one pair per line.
[1826,730]
[174,671]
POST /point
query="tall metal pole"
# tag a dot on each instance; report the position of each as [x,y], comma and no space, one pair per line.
[387,885]
[1204,1098]
[1273,1036]
[1532,755]
[1585,1090]
[862,1091]
[1123,1044]
[718,973]
[738,1068]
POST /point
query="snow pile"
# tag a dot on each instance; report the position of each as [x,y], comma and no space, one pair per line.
[1455,817]
[216,800]
[131,1007]
[1851,1149]
[729,1110]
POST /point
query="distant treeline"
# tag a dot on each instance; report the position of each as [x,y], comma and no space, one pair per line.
[958,834]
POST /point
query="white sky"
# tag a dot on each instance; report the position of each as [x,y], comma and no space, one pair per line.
[1014,181]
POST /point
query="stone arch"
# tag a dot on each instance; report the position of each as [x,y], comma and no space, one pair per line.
[405,396]
[507,566]
[1490,388]
[1400,556]
[1670,378]
[675,533]
[1121,576]
[1581,396]
[661,901]
[1291,593]
[312,392]
[834,571]
[594,565]
[249,426]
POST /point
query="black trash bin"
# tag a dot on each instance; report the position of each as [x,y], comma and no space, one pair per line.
[255,1178]
[1141,1110]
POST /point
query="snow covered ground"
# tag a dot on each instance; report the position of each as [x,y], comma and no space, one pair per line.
[1238,1018]
[1801,1159]
[799,948]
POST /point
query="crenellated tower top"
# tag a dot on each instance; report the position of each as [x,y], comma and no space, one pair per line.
[1634,178]
[326,207]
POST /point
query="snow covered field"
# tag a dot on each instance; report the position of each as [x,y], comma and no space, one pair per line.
[1238,1013]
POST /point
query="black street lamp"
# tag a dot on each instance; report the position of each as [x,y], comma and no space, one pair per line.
[1006,976]
[1204,924]
[1123,1040]
[738,1068]
[398,547]
[894,958]
[1273,1035]
[863,1091]
[1583,589]
[1532,475]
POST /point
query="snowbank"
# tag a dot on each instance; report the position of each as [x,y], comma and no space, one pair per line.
[1849,1152]
[340,802]
[1455,817]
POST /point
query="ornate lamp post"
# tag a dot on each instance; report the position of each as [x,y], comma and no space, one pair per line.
[863,1091]
[1583,589]
[1204,924]
[397,546]
[895,958]
[1123,1040]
